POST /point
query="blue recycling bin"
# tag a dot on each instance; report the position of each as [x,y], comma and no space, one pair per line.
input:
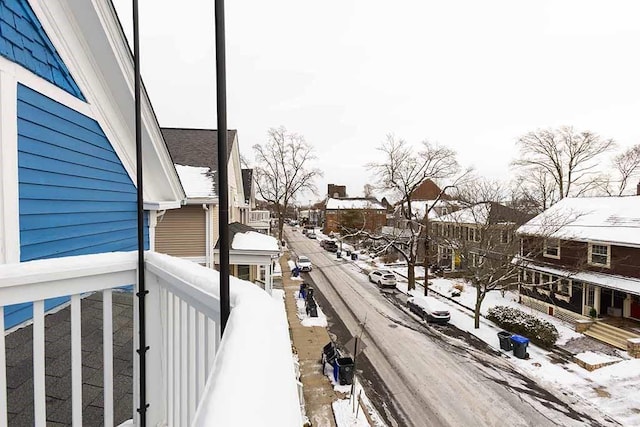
[520,345]
[303,291]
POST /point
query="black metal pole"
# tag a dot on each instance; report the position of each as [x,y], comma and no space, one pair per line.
[223,188]
[142,350]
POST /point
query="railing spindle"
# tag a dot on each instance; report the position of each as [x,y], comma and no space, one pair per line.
[200,353]
[184,378]
[39,391]
[3,373]
[192,394]
[76,360]
[175,369]
[107,339]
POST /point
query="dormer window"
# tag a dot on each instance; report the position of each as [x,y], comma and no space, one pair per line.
[552,248]
[599,255]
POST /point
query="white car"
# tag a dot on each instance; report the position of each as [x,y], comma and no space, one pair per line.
[383,278]
[429,308]
[304,263]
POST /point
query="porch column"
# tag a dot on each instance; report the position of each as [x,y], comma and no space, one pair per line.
[626,306]
[268,279]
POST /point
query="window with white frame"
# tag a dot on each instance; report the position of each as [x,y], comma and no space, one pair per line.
[564,287]
[551,248]
[505,236]
[599,255]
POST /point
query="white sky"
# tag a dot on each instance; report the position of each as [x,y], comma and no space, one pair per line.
[468,74]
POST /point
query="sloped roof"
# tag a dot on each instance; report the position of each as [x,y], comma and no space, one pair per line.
[419,207]
[198,182]
[354,203]
[244,237]
[485,213]
[603,219]
[196,147]
[247,175]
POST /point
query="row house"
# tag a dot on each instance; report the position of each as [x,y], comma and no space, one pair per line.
[466,236]
[192,232]
[579,258]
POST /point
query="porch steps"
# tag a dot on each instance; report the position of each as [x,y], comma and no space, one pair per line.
[610,334]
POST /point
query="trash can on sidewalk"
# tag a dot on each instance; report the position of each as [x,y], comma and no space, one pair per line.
[505,340]
[520,344]
[338,254]
[345,370]
[348,253]
[354,256]
[303,291]
[330,353]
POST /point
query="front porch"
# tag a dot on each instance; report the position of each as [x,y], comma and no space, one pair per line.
[193,377]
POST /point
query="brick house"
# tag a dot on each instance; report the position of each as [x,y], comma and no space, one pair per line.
[581,254]
[354,212]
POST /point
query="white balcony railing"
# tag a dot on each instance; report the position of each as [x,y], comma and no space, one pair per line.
[193,378]
[259,217]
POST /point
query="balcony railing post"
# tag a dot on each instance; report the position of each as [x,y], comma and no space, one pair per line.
[156,363]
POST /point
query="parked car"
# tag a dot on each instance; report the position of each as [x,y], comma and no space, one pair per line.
[383,278]
[304,263]
[330,245]
[311,235]
[430,309]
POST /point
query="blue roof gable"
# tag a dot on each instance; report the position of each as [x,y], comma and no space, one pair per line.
[24,41]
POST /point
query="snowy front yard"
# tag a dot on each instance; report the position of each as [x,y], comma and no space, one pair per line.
[614,389]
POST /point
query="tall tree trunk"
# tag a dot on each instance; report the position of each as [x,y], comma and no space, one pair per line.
[476,312]
[280,222]
[411,274]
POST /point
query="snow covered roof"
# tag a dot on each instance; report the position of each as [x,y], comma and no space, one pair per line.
[620,283]
[419,207]
[485,213]
[252,240]
[603,219]
[354,203]
[198,182]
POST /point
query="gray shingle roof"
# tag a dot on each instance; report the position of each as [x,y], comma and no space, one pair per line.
[196,147]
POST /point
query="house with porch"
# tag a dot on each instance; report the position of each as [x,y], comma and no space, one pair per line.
[579,260]
[192,232]
[465,237]
[68,229]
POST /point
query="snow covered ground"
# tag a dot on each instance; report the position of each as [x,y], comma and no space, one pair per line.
[613,389]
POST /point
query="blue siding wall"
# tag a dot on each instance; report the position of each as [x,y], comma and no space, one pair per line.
[23,40]
[75,196]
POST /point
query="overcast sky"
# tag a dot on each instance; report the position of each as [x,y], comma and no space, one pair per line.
[472,75]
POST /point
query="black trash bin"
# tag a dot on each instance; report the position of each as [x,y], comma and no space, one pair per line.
[348,253]
[329,353]
[505,340]
[345,370]
[354,256]
[313,310]
[520,345]
[338,254]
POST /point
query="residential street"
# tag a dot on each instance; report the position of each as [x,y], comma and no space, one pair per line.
[435,380]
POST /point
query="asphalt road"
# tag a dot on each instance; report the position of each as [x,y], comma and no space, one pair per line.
[435,379]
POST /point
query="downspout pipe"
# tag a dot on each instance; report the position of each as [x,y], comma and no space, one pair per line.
[223,174]
[142,291]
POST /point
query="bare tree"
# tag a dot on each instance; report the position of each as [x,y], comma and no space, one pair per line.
[626,166]
[283,170]
[568,157]
[368,190]
[401,171]
[481,238]
[535,187]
